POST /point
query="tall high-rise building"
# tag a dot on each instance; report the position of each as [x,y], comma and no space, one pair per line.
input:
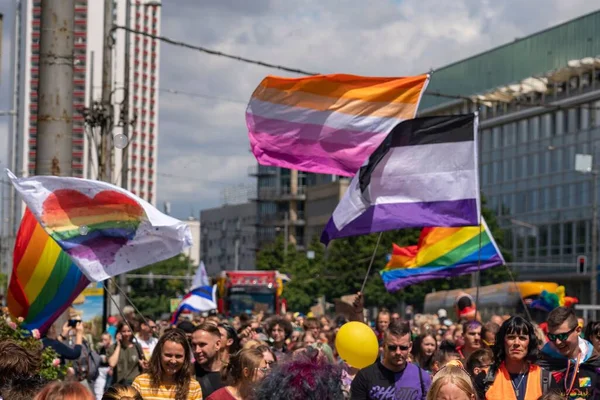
[87,83]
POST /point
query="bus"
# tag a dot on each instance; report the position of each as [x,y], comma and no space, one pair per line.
[500,299]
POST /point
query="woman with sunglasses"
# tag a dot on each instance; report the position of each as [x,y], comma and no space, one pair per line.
[572,360]
[513,376]
[245,370]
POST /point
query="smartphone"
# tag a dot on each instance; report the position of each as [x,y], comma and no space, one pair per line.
[258,330]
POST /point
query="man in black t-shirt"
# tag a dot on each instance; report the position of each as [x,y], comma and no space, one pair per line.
[206,343]
[393,377]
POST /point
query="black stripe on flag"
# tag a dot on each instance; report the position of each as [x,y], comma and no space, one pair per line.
[420,131]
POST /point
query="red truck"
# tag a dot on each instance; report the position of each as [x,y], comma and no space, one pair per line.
[251,292]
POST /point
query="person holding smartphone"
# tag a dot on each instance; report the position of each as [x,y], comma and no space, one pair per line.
[60,343]
[125,357]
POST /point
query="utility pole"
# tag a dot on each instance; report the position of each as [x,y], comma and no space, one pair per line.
[125,124]
[286,236]
[594,267]
[55,91]
[106,122]
[125,106]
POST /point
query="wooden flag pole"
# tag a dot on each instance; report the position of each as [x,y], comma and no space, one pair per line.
[362,288]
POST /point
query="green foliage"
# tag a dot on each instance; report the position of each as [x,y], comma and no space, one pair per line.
[340,269]
[153,298]
[11,330]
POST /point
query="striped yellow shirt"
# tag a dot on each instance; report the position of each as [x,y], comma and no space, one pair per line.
[143,384]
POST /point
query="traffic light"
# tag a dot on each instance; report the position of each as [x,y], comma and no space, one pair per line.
[581,264]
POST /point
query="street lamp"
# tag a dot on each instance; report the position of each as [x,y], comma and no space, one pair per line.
[584,163]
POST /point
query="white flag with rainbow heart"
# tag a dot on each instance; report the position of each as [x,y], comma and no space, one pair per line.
[105,229]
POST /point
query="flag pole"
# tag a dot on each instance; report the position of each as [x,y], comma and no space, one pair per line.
[362,288]
[478,150]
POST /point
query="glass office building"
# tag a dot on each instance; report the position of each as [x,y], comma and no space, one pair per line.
[549,111]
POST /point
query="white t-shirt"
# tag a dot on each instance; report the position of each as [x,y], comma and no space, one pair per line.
[147,346]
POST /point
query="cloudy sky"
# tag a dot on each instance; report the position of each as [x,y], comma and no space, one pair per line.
[203,145]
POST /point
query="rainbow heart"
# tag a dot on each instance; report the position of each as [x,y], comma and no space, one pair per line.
[110,217]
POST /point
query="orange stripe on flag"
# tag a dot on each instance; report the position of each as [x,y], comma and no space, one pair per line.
[379,90]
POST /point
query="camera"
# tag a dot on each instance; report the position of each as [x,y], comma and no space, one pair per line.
[73,323]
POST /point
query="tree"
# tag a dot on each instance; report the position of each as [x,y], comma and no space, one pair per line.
[340,269]
[153,298]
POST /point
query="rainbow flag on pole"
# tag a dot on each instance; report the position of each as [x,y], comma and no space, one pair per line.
[327,124]
[442,253]
[44,280]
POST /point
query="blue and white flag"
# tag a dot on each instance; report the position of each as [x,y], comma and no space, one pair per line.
[201,277]
[200,299]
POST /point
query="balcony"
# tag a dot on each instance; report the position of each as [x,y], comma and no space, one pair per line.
[260,170]
[283,194]
[278,219]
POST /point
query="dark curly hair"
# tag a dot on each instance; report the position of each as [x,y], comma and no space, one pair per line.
[183,377]
[592,329]
[283,324]
[515,325]
[306,377]
[17,362]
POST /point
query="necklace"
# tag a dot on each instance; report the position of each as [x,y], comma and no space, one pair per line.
[517,388]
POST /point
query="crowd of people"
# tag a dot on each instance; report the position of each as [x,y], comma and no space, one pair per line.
[293,356]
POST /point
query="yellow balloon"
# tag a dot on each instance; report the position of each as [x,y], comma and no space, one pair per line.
[357,344]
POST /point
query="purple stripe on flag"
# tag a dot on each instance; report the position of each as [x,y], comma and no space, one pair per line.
[313,148]
[385,217]
[437,273]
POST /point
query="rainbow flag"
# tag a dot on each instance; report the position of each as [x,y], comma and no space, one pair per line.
[441,253]
[327,124]
[105,229]
[44,280]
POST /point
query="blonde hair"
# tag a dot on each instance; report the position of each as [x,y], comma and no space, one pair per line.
[252,344]
[121,392]
[454,375]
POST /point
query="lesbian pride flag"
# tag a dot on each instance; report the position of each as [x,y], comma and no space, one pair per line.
[327,124]
[105,230]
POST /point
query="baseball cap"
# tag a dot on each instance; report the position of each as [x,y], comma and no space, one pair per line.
[442,313]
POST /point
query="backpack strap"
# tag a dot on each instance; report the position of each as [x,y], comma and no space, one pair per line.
[545,380]
[423,391]
[489,379]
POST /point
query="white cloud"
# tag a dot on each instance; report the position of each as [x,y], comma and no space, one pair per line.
[203,144]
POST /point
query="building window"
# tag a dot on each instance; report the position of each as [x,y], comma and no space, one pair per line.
[534,128]
[547,125]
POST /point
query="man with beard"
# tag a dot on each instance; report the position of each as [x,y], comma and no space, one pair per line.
[472,339]
[392,377]
[206,344]
[572,361]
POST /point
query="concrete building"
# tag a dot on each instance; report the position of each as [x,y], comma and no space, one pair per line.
[280,199]
[539,104]
[194,252]
[321,201]
[87,81]
[228,237]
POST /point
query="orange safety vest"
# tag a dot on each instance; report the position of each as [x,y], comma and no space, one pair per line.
[502,388]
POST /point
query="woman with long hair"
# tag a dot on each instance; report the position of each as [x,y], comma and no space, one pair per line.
[64,391]
[592,334]
[121,392]
[245,369]
[423,349]
[125,357]
[513,374]
[452,382]
[170,372]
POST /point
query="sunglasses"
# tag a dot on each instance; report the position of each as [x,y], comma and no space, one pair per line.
[553,337]
[393,347]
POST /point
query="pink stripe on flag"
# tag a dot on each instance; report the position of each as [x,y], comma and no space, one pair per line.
[320,149]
